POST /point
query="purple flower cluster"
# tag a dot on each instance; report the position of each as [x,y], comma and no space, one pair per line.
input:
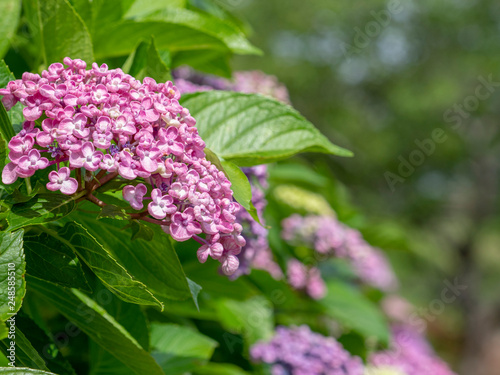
[251,82]
[299,351]
[327,236]
[309,280]
[411,354]
[108,122]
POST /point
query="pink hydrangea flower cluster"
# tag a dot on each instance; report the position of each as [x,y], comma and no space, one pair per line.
[309,280]
[299,351]
[410,353]
[107,123]
[329,237]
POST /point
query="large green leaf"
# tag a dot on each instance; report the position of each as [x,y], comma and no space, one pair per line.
[5,74]
[173,28]
[144,7]
[26,355]
[50,259]
[114,276]
[179,349]
[208,61]
[253,318]
[354,311]
[217,285]
[99,325]
[43,208]
[223,30]
[241,188]
[154,263]
[10,10]
[84,9]
[106,12]
[6,129]
[146,61]
[34,348]
[4,331]
[219,369]
[64,34]
[23,371]
[12,268]
[132,318]
[251,129]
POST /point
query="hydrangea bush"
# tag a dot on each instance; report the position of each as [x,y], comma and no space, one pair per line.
[121,178]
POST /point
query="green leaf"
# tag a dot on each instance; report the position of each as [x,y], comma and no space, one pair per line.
[218,9]
[179,349]
[23,371]
[84,9]
[51,260]
[26,355]
[355,311]
[43,208]
[195,291]
[219,369]
[250,129]
[208,61]
[16,117]
[253,318]
[239,182]
[3,330]
[242,191]
[6,129]
[99,325]
[225,31]
[114,276]
[147,62]
[297,174]
[217,285]
[105,12]
[64,33]
[12,269]
[132,318]
[214,159]
[174,29]
[113,212]
[240,185]
[5,74]
[154,262]
[139,230]
[144,7]
[10,11]
[36,349]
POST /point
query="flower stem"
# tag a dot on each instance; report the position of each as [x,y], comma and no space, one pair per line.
[28,185]
[95,200]
[199,240]
[154,221]
[78,176]
[139,215]
[103,180]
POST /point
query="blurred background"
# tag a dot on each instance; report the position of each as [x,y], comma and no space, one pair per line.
[413,88]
